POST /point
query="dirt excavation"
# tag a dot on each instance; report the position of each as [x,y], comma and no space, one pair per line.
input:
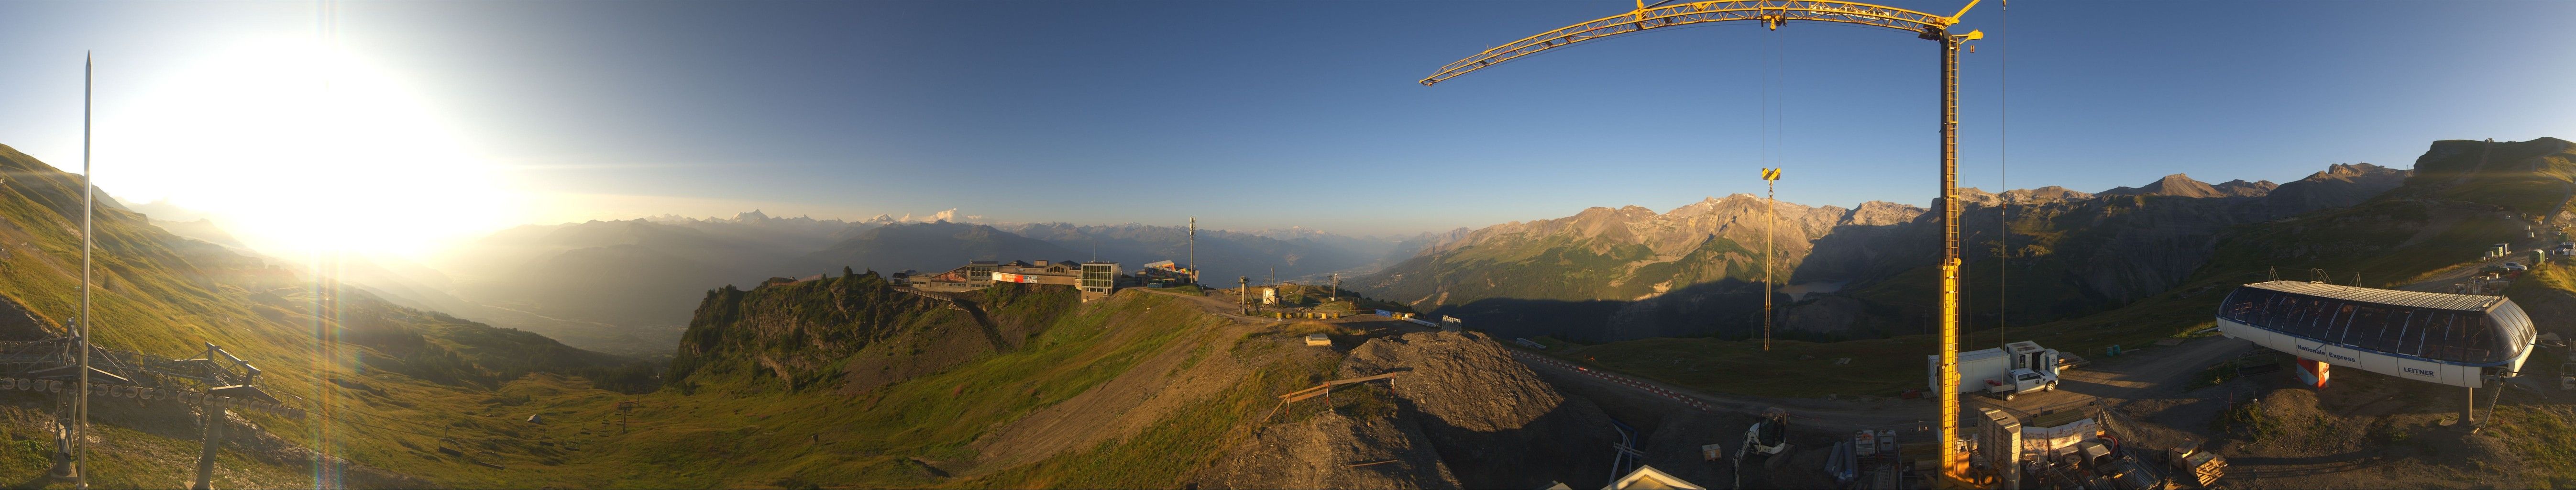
[2364,430]
[1459,412]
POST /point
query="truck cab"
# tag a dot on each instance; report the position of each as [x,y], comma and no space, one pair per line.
[2024,381]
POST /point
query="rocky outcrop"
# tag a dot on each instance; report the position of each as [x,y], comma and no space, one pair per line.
[2045,194]
[2241,188]
[19,323]
[2338,186]
[2177,185]
[855,333]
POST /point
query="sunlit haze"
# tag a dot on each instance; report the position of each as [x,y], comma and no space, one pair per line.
[299,147]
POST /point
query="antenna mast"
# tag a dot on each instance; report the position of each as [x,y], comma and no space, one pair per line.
[89,200]
[1194,250]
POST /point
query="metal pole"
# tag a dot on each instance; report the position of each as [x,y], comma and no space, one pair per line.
[1771,211]
[1954,462]
[1194,250]
[89,199]
[2469,414]
[214,410]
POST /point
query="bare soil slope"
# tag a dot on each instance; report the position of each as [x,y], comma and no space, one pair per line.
[1491,422]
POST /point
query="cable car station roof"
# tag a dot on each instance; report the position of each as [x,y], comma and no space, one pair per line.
[2392,297]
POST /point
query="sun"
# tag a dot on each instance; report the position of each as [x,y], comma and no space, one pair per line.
[301,148]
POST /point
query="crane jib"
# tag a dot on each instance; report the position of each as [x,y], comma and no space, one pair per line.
[1771,13]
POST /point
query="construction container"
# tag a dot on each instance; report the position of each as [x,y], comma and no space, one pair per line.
[2202,468]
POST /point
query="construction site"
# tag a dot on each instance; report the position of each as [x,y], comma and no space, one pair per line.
[2151,417]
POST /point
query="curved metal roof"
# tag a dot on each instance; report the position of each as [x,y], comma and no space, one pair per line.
[2414,299]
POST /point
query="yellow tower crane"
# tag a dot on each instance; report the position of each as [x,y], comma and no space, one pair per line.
[1772,13]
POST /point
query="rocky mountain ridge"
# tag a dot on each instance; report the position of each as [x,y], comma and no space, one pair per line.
[1615,273]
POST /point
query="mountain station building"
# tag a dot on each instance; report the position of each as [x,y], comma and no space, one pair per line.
[1095,279]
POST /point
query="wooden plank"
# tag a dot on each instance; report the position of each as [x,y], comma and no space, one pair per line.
[1319,390]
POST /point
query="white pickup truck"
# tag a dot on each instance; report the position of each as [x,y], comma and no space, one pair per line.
[1994,372]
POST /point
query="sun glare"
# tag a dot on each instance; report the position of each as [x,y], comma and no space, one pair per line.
[298,149]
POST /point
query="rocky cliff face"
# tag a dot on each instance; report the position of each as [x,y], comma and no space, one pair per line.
[802,333]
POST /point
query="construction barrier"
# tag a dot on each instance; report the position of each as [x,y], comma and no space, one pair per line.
[1309,315]
[1685,400]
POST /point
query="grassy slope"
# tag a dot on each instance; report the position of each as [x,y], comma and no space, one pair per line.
[1559,267]
[2438,221]
[163,295]
[745,429]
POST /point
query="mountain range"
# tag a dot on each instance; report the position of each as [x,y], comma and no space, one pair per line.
[627,286]
[1625,273]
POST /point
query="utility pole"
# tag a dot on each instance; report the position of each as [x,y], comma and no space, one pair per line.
[1243,294]
[89,199]
[1194,250]
[623,408]
[1337,286]
[1771,219]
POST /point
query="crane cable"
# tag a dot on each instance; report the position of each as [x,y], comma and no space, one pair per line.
[2003,172]
[1771,147]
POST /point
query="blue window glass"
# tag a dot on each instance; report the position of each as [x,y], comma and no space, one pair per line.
[2476,337]
[2411,339]
[2311,321]
[2284,311]
[2246,305]
[2338,317]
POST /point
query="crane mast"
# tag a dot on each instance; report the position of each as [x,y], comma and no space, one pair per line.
[1773,13]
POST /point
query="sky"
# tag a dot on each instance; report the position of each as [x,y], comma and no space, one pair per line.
[402,127]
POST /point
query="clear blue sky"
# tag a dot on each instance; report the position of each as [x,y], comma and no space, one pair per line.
[1273,114]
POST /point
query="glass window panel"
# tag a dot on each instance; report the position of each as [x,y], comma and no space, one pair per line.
[2444,343]
[2474,336]
[2339,315]
[2284,311]
[2360,325]
[2380,333]
[2515,325]
[2311,321]
[2410,340]
[2246,304]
